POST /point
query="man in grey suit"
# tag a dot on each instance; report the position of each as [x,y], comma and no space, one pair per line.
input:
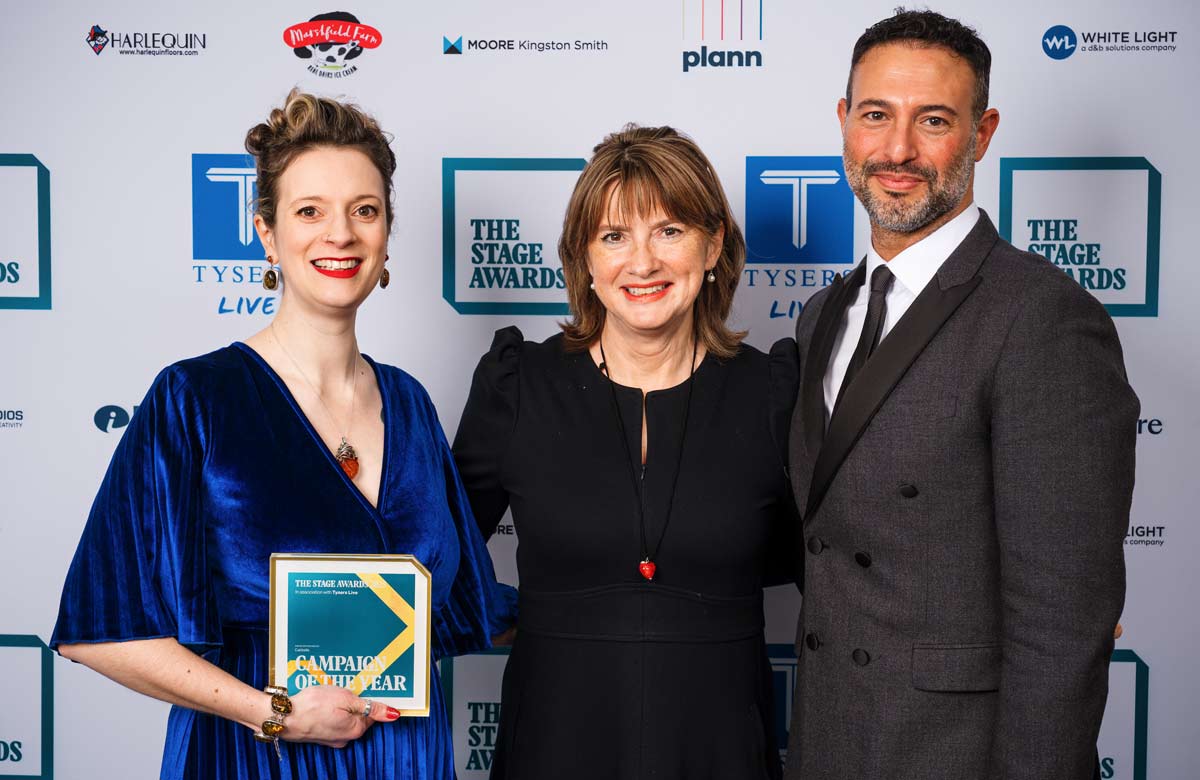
[962,453]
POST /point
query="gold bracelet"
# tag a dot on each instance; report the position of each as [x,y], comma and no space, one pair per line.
[272,727]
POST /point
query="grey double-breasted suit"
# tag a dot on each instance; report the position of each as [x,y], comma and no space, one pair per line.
[964,521]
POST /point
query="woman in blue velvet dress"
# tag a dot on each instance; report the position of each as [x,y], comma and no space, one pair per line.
[289,442]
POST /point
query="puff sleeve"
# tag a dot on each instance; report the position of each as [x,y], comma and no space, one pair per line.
[486,428]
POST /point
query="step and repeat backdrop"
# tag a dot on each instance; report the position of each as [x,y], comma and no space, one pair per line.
[126,244]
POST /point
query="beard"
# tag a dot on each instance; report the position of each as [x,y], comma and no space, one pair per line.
[944,191]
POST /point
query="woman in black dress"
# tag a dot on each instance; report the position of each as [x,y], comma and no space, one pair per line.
[643,453]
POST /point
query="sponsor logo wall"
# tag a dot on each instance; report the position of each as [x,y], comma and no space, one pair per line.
[143,252]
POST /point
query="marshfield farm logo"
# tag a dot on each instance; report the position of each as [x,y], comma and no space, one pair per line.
[1096,218]
[799,217]
[146,43]
[27,719]
[1061,41]
[501,220]
[728,34]
[331,43]
[226,252]
[25,240]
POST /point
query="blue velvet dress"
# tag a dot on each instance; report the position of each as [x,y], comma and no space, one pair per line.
[218,469]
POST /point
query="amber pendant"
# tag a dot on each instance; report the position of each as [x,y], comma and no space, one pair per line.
[347,458]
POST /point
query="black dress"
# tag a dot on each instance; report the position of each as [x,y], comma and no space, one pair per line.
[612,676]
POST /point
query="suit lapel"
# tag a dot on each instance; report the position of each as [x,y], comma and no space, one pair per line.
[954,282]
[821,347]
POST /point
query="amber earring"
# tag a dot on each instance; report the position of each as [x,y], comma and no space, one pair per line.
[271,277]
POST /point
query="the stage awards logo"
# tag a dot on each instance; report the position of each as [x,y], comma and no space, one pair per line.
[1096,218]
[25,240]
[499,252]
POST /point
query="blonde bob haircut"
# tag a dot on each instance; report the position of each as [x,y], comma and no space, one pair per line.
[638,170]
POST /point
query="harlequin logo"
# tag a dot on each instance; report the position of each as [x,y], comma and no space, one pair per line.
[330,42]
[97,38]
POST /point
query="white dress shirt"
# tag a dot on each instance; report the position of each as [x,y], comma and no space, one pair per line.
[911,270]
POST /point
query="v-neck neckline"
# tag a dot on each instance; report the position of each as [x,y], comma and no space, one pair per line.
[316,437]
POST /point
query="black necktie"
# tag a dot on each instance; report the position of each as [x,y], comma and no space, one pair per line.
[872,328]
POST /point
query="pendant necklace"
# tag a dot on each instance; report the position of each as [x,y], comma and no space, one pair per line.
[345,455]
[647,567]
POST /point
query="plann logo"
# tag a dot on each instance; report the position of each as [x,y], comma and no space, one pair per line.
[1059,42]
[452,47]
[713,22]
[330,42]
[25,241]
[1096,218]
[494,247]
[225,247]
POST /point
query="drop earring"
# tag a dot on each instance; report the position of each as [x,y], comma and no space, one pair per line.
[270,280]
[711,276]
[385,279]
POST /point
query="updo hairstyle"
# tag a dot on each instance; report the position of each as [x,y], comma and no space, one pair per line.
[306,122]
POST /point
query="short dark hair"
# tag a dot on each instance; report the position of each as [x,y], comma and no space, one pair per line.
[929,28]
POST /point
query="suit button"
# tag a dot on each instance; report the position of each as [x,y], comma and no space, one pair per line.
[862,559]
[811,641]
[861,657]
[815,545]
[909,491]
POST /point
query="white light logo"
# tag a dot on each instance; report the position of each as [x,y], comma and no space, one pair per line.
[799,181]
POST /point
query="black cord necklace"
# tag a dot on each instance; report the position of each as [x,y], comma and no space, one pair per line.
[647,567]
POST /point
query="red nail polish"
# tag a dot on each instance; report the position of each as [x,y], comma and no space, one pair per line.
[393,713]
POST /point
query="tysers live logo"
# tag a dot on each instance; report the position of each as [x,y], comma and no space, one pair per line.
[27,719]
[25,240]
[799,214]
[226,251]
[501,220]
[724,31]
[1096,218]
[331,43]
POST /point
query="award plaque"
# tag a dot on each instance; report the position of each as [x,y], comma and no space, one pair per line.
[360,622]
